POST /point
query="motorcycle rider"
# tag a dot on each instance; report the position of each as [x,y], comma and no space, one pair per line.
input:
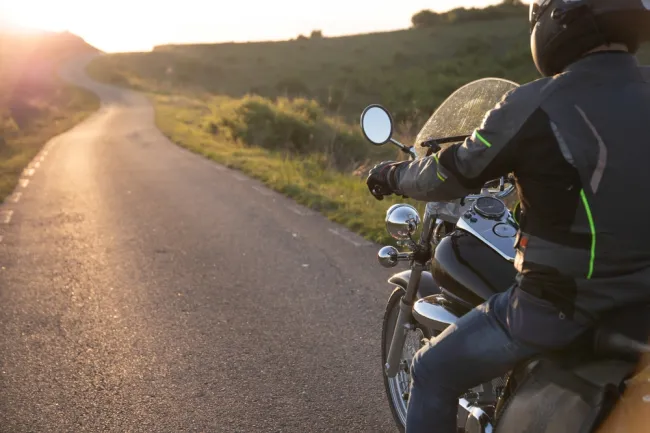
[577,142]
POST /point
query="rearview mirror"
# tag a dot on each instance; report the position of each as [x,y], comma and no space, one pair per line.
[377,124]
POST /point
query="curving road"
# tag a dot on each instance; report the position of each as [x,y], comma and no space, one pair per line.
[146,289]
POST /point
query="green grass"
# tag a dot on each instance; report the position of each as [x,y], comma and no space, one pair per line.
[341,196]
[235,102]
[34,105]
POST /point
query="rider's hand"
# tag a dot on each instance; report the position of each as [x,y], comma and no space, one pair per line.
[381,179]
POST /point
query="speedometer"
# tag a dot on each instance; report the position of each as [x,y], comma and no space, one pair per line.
[489,207]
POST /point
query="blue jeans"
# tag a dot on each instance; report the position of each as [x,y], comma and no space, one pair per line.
[475,350]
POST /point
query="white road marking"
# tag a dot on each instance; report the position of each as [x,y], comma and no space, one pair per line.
[299,211]
[30,172]
[23,182]
[16,197]
[348,237]
[6,216]
[240,177]
[218,167]
[262,191]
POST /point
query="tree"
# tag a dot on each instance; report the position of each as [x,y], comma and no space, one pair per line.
[425,18]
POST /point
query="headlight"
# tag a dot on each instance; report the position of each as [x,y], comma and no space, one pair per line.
[402,221]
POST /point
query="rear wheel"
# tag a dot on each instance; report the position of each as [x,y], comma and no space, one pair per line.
[398,387]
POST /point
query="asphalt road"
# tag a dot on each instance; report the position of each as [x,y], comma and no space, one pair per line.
[144,288]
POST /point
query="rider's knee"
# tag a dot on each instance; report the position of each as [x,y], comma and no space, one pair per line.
[427,368]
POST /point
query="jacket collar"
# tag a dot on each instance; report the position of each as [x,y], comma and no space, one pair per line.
[606,62]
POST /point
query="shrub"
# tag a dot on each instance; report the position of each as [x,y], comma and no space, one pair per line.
[317,34]
[297,126]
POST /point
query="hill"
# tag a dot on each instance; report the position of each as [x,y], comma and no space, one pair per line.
[287,112]
[410,71]
[34,104]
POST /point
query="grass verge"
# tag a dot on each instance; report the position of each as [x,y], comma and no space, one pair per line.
[340,196]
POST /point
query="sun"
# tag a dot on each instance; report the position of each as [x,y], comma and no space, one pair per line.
[35,15]
[109,27]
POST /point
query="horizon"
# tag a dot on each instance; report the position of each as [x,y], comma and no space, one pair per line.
[111,30]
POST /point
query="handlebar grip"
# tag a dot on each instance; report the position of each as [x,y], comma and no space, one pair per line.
[378,193]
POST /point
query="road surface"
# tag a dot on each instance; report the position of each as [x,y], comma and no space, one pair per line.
[146,289]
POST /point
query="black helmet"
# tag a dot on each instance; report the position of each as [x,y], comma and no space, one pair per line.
[562,31]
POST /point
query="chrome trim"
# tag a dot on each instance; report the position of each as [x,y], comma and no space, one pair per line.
[487,214]
[462,414]
[402,220]
[500,195]
[434,316]
[406,149]
[437,237]
[477,421]
[462,224]
[388,257]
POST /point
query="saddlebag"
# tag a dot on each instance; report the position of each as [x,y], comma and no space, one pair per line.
[551,398]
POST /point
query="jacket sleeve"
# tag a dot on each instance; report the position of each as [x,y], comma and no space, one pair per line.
[463,168]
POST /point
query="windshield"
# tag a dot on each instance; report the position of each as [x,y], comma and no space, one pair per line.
[463,112]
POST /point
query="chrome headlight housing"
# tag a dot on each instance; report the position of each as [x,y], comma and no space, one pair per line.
[402,220]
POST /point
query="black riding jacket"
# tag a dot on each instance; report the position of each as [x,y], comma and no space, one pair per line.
[579,147]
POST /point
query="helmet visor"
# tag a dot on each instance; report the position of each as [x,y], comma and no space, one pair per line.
[537,8]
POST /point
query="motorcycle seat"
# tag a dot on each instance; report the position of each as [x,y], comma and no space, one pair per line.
[624,332]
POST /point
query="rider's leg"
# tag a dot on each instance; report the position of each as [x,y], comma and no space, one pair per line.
[473,351]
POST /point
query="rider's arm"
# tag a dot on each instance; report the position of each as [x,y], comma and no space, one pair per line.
[463,168]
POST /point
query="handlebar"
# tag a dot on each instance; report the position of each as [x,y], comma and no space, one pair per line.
[505,191]
[500,195]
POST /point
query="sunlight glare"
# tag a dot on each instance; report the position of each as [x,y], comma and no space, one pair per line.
[138,25]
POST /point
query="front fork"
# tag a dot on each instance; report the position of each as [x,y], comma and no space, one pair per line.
[405,317]
[404,320]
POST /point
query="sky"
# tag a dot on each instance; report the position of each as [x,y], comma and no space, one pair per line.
[138,25]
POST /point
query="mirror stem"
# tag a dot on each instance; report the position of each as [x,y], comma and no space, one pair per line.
[405,149]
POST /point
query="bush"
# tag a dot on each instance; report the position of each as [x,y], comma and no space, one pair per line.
[297,126]
[317,34]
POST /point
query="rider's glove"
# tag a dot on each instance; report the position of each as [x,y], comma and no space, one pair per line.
[381,179]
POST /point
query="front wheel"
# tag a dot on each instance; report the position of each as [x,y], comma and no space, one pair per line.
[398,387]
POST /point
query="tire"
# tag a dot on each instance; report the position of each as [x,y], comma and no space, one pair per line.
[394,386]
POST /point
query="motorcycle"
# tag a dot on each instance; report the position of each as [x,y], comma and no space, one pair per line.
[464,254]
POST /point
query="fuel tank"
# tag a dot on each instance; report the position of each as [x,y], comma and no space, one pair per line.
[469,269]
